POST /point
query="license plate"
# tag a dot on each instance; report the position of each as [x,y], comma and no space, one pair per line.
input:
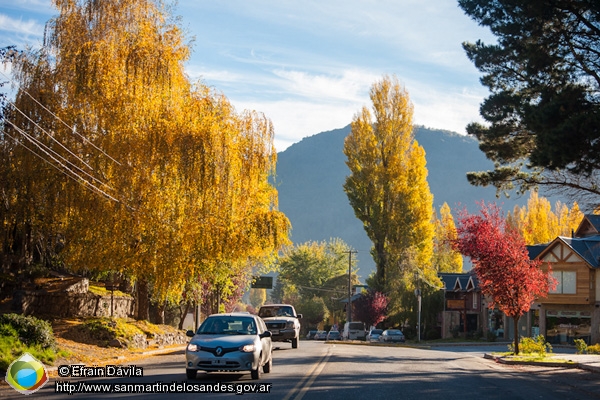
[218,362]
[275,331]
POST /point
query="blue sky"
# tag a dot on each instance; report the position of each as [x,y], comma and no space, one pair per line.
[308,65]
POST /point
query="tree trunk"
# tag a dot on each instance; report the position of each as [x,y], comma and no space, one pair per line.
[161,313]
[183,314]
[142,300]
[516,334]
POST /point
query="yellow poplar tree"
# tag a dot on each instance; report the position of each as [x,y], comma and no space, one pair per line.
[446,259]
[388,189]
[538,222]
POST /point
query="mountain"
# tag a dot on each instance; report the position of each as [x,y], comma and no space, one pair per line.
[311,174]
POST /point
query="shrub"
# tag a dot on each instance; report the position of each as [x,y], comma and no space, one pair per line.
[433,334]
[30,330]
[535,345]
[107,329]
[581,346]
[491,336]
[11,348]
[595,349]
[455,331]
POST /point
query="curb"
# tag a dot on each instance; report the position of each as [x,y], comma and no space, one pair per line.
[569,365]
[154,352]
[165,350]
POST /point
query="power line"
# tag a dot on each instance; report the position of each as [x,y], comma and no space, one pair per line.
[85,140]
[55,156]
[67,172]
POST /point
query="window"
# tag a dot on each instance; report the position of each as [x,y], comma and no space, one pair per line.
[567,282]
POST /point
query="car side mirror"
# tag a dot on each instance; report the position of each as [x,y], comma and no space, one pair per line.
[189,333]
[265,334]
[299,316]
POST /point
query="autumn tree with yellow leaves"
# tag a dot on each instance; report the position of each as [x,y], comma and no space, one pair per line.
[445,257]
[538,222]
[388,190]
[115,163]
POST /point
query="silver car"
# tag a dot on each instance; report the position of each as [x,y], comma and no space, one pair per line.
[233,342]
[374,335]
[392,336]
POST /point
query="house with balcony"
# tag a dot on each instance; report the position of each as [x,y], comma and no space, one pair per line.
[572,310]
[464,307]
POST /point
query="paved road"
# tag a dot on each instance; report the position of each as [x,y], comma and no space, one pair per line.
[320,370]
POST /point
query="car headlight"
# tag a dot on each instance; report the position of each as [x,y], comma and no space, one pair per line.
[248,348]
[289,325]
[192,347]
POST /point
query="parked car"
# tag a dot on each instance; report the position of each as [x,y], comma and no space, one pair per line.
[354,331]
[334,335]
[311,334]
[233,342]
[321,335]
[374,334]
[392,336]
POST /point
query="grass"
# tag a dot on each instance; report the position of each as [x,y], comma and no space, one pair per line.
[531,357]
[101,290]
[12,348]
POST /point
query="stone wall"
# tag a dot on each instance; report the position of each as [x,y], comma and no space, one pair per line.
[66,305]
[157,340]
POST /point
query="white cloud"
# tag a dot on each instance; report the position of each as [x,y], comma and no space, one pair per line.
[18,26]
[294,120]
[347,87]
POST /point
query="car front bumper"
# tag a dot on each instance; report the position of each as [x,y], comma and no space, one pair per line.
[282,335]
[235,361]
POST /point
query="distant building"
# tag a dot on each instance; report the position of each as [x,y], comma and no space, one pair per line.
[464,312]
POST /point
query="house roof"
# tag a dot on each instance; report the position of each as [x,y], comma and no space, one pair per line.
[536,249]
[587,248]
[585,242]
[465,282]
[589,225]
[352,299]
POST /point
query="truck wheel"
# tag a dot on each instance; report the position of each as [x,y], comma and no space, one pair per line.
[294,343]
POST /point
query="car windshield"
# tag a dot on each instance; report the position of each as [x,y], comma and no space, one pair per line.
[376,332]
[227,325]
[391,332]
[266,312]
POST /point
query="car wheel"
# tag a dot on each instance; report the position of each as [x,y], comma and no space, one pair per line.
[294,343]
[190,373]
[268,366]
[255,373]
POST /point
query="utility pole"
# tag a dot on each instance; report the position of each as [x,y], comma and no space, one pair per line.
[418,294]
[349,305]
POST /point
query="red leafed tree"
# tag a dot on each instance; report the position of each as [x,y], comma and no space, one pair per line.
[370,308]
[506,274]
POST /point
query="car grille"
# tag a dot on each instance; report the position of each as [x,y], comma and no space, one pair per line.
[275,325]
[213,350]
[205,365]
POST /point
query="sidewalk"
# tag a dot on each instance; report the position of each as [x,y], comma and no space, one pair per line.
[589,362]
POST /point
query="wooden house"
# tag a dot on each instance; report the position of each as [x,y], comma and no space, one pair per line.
[572,310]
[464,311]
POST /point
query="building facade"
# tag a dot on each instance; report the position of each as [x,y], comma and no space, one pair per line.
[572,310]
[465,312]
